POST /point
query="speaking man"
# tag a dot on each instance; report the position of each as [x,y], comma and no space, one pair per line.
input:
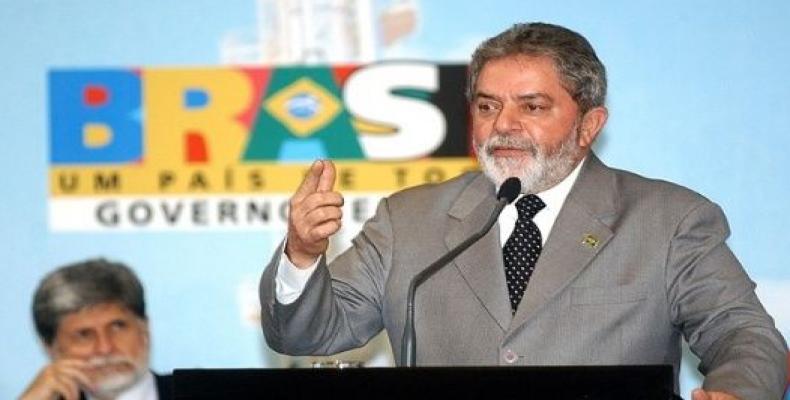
[591,266]
[90,317]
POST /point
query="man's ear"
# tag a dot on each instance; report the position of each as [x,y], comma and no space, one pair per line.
[146,331]
[49,348]
[591,125]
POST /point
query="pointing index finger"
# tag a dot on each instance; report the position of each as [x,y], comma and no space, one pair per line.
[327,180]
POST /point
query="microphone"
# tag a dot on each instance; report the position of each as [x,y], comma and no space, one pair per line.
[508,192]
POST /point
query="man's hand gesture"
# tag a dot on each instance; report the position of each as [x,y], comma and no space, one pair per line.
[62,379]
[315,214]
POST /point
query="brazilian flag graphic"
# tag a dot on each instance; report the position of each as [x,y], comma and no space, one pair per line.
[302,118]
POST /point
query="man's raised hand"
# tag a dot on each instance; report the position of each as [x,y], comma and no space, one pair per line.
[61,380]
[314,216]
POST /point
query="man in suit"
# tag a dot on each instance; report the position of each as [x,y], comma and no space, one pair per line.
[90,317]
[591,266]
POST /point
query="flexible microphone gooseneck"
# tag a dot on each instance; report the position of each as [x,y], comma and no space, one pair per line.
[508,192]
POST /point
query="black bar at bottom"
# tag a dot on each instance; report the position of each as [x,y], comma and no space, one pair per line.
[649,382]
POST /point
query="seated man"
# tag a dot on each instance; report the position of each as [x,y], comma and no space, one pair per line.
[91,319]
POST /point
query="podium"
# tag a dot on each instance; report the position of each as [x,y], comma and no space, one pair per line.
[651,382]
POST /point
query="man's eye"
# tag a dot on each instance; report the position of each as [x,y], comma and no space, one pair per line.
[485,107]
[83,334]
[119,325]
[535,107]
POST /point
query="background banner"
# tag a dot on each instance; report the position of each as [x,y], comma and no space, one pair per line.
[153,148]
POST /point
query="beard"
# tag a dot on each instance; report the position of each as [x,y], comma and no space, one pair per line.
[542,169]
[114,374]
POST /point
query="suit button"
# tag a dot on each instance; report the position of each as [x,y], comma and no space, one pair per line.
[510,356]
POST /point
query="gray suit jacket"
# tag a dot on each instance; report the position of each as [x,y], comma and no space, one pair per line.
[656,269]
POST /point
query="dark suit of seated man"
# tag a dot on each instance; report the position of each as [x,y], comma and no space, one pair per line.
[91,319]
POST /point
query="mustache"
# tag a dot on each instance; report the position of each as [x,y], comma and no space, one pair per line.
[509,141]
[107,361]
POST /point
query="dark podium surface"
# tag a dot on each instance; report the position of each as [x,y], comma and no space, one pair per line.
[607,382]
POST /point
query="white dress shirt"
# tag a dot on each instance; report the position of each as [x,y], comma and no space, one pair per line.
[144,389]
[290,281]
[554,198]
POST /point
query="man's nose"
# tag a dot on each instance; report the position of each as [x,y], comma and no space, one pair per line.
[104,344]
[508,120]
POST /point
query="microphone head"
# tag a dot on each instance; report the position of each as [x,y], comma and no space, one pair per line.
[509,190]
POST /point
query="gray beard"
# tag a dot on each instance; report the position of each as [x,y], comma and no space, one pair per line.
[111,386]
[542,170]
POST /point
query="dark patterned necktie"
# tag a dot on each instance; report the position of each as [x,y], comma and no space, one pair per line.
[522,249]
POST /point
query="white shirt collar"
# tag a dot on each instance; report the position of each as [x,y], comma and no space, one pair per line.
[553,197]
[144,389]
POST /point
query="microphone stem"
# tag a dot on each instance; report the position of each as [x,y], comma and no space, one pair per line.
[409,342]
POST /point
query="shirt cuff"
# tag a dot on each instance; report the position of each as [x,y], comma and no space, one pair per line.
[290,280]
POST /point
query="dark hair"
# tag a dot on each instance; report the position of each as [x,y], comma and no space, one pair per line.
[582,73]
[74,287]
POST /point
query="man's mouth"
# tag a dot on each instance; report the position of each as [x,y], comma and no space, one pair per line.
[105,368]
[508,152]
[112,369]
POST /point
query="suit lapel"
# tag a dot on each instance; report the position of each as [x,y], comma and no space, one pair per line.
[485,278]
[578,235]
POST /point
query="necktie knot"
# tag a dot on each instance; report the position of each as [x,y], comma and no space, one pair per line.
[528,206]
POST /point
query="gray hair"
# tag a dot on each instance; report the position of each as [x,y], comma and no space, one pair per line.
[581,72]
[74,287]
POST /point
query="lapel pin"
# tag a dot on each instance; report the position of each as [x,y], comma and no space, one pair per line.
[590,241]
